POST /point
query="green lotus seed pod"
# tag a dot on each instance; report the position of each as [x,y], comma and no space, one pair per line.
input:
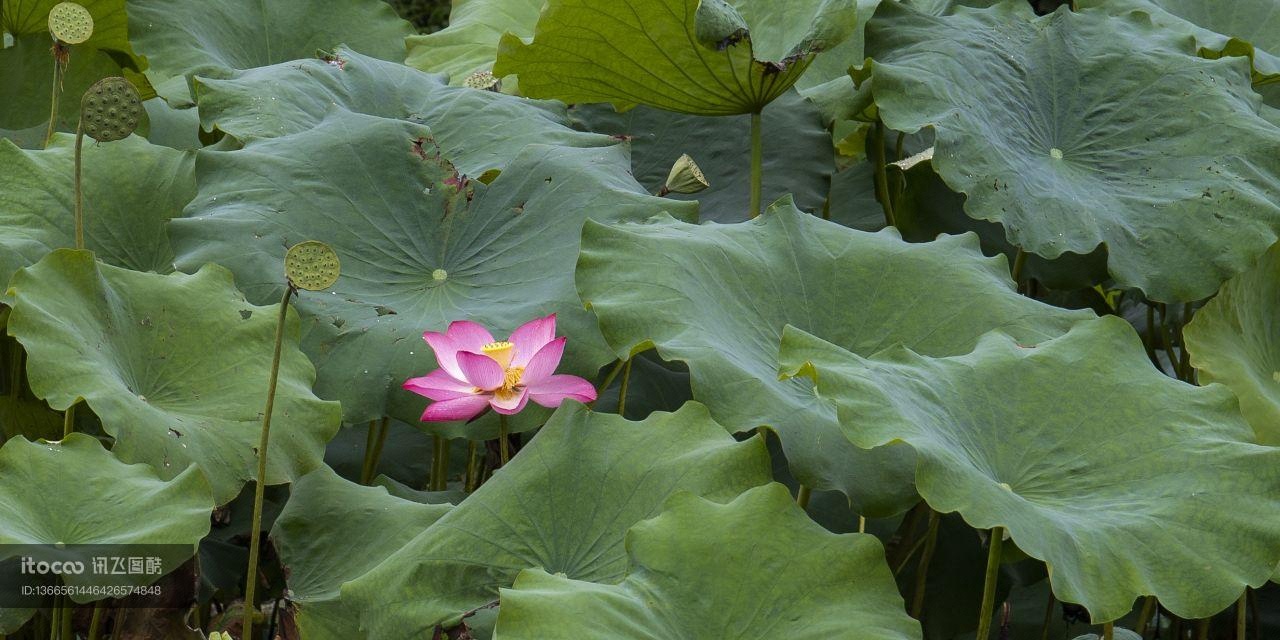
[312,265]
[482,80]
[110,109]
[70,23]
[685,177]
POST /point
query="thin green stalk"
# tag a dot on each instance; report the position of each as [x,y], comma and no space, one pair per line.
[79,191]
[622,391]
[251,581]
[882,177]
[609,377]
[1242,610]
[55,621]
[1048,616]
[1202,629]
[469,484]
[922,568]
[437,446]
[95,623]
[68,608]
[989,583]
[1019,262]
[757,163]
[1149,343]
[369,440]
[15,373]
[384,427]
[802,496]
[901,183]
[69,421]
[59,68]
[1108,631]
[504,452]
[1144,618]
[442,468]
[1166,337]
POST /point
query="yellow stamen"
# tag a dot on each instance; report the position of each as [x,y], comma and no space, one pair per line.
[511,378]
[501,352]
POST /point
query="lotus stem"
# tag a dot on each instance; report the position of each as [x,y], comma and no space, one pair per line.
[55,618]
[255,533]
[79,191]
[1202,629]
[95,623]
[59,68]
[1108,631]
[1148,608]
[922,569]
[1019,262]
[69,420]
[802,496]
[608,379]
[881,173]
[622,391]
[1048,616]
[504,447]
[989,583]
[1242,609]
[370,438]
[469,482]
[68,607]
[757,162]
[440,463]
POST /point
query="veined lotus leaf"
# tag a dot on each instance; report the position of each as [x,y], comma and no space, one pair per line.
[1071,131]
[798,157]
[704,57]
[26,69]
[1248,27]
[470,42]
[213,38]
[563,504]
[688,577]
[137,348]
[99,501]
[1126,482]
[421,245]
[131,189]
[1235,340]
[718,296]
[332,531]
[479,131]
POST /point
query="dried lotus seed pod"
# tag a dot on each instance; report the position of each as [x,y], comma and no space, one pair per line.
[312,265]
[685,177]
[70,23]
[110,110]
[482,80]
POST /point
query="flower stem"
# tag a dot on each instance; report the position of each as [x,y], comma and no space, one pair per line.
[1242,609]
[68,608]
[1048,616]
[259,488]
[989,583]
[757,162]
[79,191]
[369,440]
[622,390]
[440,470]
[1019,262]
[1148,607]
[881,172]
[58,69]
[469,484]
[69,420]
[922,569]
[95,623]
[802,496]
[609,377]
[504,452]
[1108,631]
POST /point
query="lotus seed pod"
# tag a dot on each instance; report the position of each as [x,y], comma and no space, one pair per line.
[484,81]
[312,265]
[110,109]
[70,23]
[685,177]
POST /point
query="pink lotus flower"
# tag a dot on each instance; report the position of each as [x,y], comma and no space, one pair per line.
[477,372]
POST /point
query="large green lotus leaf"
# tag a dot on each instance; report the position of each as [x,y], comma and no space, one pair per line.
[470,42]
[75,492]
[687,579]
[1071,130]
[689,56]
[798,157]
[212,38]
[26,68]
[139,349]
[478,131]
[1126,482]
[1235,340]
[131,189]
[1245,27]
[420,246]
[563,504]
[718,296]
[314,536]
